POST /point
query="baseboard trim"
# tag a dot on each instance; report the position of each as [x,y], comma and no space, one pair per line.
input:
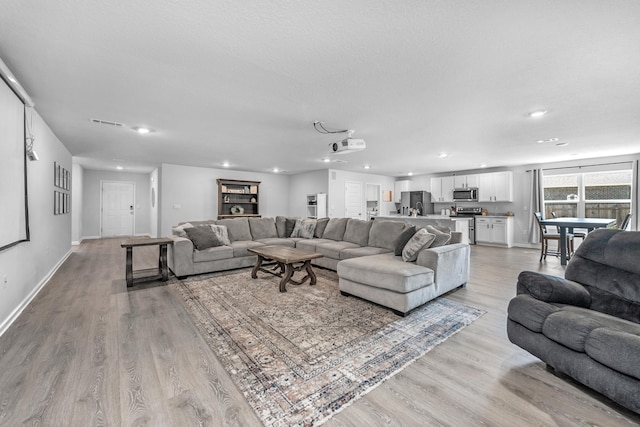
[20,308]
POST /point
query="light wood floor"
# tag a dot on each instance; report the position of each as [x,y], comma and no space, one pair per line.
[87,351]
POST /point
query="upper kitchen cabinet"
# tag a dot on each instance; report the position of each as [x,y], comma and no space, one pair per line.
[465,181]
[495,187]
[399,187]
[442,189]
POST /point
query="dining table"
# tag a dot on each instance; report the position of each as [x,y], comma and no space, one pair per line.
[566,225]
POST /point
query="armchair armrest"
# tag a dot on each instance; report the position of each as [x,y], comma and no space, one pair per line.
[553,289]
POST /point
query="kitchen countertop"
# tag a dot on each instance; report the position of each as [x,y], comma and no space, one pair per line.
[452,218]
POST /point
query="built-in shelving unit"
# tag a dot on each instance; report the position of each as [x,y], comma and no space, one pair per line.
[238,198]
[317,205]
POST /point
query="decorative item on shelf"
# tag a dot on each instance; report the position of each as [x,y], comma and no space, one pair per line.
[485,212]
[237,210]
[253,200]
[226,198]
[509,213]
[247,189]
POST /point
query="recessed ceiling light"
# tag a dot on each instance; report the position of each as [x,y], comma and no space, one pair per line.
[226,164]
[562,144]
[142,130]
[442,155]
[276,170]
[367,167]
[410,174]
[119,167]
[326,160]
[483,165]
[538,113]
[542,141]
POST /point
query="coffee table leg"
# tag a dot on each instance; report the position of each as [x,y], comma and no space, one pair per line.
[129,269]
[285,279]
[254,272]
[163,263]
[310,273]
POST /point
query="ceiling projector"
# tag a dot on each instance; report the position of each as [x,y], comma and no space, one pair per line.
[347,145]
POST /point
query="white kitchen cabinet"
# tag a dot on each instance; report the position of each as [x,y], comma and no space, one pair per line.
[496,231]
[399,187]
[465,181]
[442,189]
[495,187]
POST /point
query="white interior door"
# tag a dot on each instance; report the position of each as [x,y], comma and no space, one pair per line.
[118,211]
[353,200]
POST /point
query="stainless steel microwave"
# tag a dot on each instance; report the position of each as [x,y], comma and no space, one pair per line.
[465,194]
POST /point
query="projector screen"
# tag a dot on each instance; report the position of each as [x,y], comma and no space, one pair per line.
[14,219]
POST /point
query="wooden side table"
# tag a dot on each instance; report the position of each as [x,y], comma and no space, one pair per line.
[138,276]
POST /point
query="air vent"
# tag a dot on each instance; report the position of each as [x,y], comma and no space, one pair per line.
[107,122]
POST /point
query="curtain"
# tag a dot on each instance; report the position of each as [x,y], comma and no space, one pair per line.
[536,203]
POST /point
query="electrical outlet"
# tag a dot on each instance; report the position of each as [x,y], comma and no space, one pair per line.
[5,281]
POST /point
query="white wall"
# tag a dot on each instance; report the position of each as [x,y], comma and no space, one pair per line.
[91,194]
[28,265]
[190,193]
[303,184]
[337,180]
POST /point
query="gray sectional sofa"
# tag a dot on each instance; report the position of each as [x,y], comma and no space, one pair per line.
[587,325]
[362,252]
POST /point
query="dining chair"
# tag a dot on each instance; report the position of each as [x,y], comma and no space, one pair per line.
[578,234]
[626,221]
[546,236]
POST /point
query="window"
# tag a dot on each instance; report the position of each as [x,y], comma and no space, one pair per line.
[605,194]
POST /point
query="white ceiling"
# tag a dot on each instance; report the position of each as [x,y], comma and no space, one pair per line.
[243,81]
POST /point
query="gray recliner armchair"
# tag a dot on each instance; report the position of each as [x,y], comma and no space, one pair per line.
[587,325]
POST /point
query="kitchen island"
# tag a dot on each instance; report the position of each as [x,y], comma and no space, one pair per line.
[455,223]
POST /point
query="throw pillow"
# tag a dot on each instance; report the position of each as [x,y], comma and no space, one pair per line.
[221,232]
[179,229]
[403,238]
[442,238]
[289,225]
[202,237]
[321,224]
[304,228]
[422,239]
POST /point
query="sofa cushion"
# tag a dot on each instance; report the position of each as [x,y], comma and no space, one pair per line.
[203,237]
[386,271]
[363,251]
[335,228]
[213,254]
[278,241]
[311,244]
[383,234]
[238,228]
[221,232]
[321,224]
[442,237]
[571,326]
[332,250]
[421,239]
[304,228]
[357,231]
[280,225]
[262,228]
[625,358]
[402,239]
[240,247]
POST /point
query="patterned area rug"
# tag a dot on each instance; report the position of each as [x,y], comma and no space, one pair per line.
[301,356]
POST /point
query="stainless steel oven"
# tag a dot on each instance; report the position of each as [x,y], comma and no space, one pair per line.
[470,212]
